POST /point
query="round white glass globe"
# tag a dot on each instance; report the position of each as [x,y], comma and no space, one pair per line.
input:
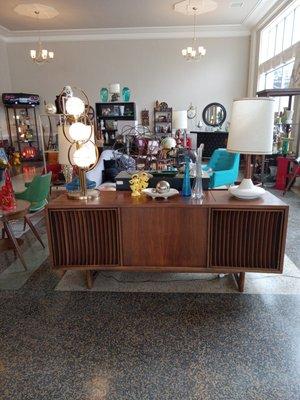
[74,106]
[85,155]
[80,132]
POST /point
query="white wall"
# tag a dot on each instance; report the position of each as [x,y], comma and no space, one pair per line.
[5,85]
[152,69]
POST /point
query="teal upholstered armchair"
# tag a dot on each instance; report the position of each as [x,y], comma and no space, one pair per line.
[223,167]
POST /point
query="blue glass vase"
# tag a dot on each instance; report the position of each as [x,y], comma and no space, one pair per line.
[104,95]
[186,185]
[126,94]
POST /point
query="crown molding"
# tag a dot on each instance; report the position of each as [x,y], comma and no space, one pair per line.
[173,32]
[261,11]
[3,33]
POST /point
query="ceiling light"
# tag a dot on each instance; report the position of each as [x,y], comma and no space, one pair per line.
[188,7]
[40,55]
[194,52]
[27,10]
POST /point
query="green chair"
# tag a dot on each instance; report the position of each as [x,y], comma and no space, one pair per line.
[37,193]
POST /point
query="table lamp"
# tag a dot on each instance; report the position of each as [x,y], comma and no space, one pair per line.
[82,152]
[179,123]
[250,132]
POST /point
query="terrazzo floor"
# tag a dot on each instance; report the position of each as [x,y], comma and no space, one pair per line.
[156,346]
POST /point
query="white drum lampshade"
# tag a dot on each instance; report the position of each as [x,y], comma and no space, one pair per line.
[179,120]
[114,88]
[251,126]
[250,132]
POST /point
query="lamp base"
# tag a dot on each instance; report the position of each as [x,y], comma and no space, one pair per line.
[246,190]
[90,195]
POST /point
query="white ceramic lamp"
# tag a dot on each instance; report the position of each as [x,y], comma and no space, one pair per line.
[251,132]
[179,120]
[180,123]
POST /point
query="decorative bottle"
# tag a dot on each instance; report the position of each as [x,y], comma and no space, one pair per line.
[197,192]
[186,186]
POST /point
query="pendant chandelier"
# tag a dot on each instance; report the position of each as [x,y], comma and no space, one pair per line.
[194,52]
[40,55]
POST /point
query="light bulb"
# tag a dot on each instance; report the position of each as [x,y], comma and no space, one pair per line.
[33,54]
[51,54]
[189,50]
[204,52]
[85,155]
[74,106]
[184,52]
[44,54]
[80,132]
[193,54]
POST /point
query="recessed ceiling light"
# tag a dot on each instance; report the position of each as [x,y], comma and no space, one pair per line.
[236,4]
[45,12]
[188,7]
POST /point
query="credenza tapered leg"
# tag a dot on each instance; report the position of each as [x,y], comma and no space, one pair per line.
[90,277]
[240,280]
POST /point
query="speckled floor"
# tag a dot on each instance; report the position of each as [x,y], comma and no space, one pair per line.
[156,346]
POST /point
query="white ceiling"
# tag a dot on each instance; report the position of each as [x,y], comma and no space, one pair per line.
[95,14]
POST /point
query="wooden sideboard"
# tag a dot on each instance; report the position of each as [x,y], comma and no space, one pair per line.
[118,232]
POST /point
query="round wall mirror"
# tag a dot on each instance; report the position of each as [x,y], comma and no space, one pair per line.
[214,114]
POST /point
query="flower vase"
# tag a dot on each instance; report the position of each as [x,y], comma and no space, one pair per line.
[197,192]
[186,186]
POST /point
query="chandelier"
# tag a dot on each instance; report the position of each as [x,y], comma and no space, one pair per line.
[193,52]
[40,55]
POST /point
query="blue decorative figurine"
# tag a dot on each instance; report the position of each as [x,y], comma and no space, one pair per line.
[186,186]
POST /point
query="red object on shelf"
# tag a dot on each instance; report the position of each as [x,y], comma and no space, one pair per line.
[29,153]
[283,166]
[55,169]
[7,196]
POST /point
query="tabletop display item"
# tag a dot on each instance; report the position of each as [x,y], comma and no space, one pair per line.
[126,94]
[78,142]
[155,195]
[139,182]
[247,113]
[197,191]
[186,186]
[7,196]
[50,108]
[114,90]
[104,95]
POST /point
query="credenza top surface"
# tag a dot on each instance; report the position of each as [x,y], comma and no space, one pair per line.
[212,198]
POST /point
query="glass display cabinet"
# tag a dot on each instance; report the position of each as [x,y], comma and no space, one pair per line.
[22,126]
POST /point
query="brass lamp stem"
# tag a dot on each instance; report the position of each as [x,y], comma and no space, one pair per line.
[248,174]
[82,181]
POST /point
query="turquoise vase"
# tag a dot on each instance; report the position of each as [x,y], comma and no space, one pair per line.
[104,95]
[186,185]
[126,94]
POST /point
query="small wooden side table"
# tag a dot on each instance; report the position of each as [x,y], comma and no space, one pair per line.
[11,243]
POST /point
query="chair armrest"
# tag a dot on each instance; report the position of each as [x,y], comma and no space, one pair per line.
[225,177]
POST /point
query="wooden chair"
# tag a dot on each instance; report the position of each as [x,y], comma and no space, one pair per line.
[293,174]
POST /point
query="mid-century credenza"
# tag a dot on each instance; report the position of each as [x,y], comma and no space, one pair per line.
[118,232]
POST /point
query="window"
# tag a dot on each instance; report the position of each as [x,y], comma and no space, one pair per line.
[279,42]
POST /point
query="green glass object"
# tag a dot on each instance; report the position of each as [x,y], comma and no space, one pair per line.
[126,94]
[104,95]
[285,146]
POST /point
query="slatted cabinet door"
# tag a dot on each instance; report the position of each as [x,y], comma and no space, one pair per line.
[84,237]
[247,240]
